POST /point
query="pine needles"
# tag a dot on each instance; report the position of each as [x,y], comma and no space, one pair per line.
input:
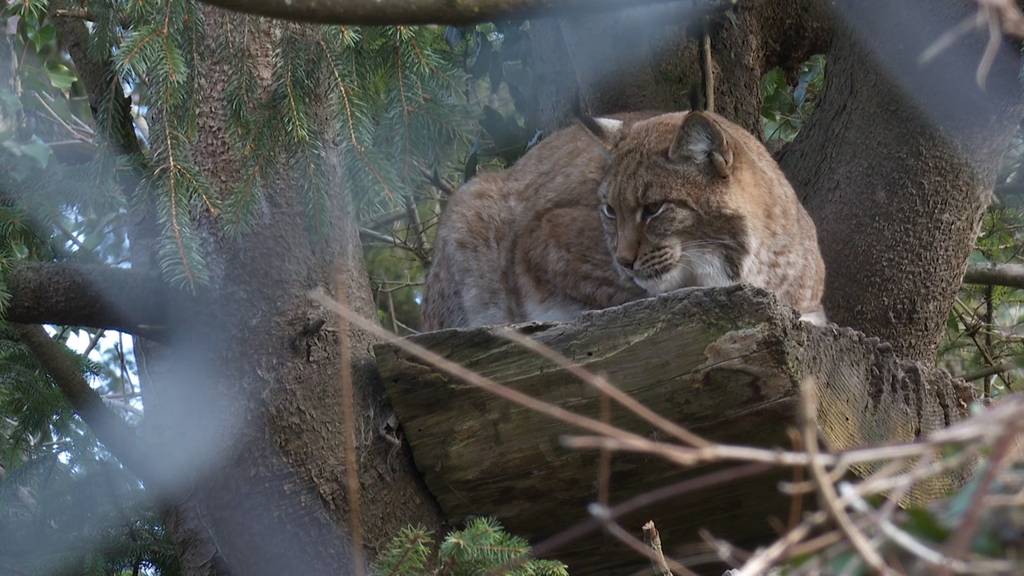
[388,100]
[482,547]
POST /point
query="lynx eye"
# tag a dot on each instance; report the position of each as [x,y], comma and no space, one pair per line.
[608,211]
[651,210]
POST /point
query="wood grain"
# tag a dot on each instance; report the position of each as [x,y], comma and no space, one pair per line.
[725,362]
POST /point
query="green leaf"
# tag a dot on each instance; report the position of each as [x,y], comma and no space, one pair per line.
[61,77]
[37,150]
[921,522]
[19,250]
[43,37]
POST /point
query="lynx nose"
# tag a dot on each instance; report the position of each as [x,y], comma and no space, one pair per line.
[626,260]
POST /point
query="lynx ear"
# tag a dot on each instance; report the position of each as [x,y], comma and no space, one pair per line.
[606,130]
[700,139]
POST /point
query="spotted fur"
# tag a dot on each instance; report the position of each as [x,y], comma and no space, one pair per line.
[647,205]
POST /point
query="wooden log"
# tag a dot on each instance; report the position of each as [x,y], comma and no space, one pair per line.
[724,362]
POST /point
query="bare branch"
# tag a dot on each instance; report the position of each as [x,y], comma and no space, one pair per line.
[647,499]
[352,492]
[1011,275]
[97,75]
[653,539]
[620,533]
[990,371]
[960,542]
[420,11]
[605,387]
[827,490]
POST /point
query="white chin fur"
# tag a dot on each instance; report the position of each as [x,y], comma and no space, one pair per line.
[675,278]
[699,268]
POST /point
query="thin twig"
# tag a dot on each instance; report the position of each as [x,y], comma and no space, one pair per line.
[725,551]
[826,490]
[987,371]
[761,561]
[93,342]
[620,533]
[960,542]
[348,399]
[709,71]
[919,549]
[472,378]
[603,386]
[604,464]
[653,540]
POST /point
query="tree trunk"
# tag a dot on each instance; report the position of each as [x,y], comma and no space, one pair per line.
[648,57]
[897,165]
[246,405]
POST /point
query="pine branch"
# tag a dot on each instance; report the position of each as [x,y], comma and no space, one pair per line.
[375,12]
[96,75]
[89,296]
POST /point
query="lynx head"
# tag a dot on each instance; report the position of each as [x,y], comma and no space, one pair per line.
[671,200]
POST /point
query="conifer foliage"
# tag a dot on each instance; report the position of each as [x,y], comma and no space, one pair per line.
[388,95]
[481,547]
[76,171]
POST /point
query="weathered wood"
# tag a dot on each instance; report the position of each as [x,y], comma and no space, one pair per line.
[725,362]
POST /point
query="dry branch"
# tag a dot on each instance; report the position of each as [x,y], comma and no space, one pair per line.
[653,539]
[722,363]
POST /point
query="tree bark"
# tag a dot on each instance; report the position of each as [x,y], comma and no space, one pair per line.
[897,165]
[648,57]
[246,400]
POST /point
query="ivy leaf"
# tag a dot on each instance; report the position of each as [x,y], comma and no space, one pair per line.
[43,37]
[61,77]
[37,150]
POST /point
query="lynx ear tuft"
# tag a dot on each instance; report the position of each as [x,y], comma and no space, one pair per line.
[700,139]
[606,130]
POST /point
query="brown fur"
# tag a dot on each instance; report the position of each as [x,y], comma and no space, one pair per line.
[534,242]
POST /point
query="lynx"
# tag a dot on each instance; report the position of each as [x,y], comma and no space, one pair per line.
[615,209]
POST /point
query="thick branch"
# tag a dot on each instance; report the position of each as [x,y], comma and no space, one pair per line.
[99,79]
[1011,275]
[108,427]
[420,11]
[91,296]
[989,371]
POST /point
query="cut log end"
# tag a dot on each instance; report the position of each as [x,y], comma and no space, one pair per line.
[723,362]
